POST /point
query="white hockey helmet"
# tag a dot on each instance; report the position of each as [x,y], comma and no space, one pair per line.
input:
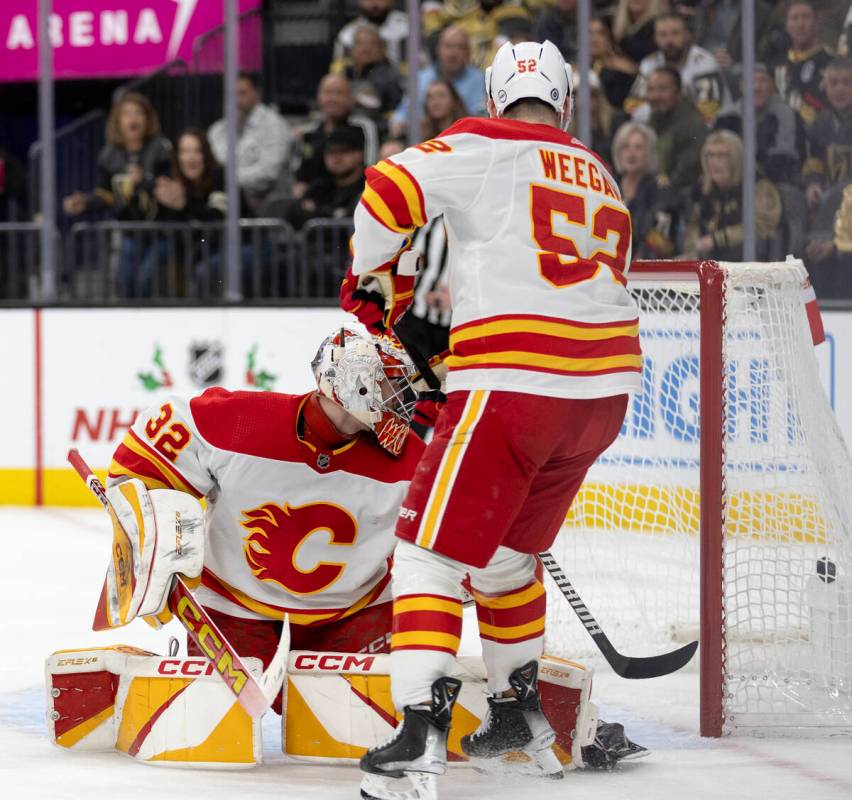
[370,377]
[530,70]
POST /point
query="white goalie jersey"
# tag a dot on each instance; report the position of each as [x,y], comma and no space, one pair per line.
[539,242]
[290,528]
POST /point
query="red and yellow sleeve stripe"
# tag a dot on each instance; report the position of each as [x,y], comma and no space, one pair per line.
[426,622]
[514,616]
[393,197]
[546,344]
[135,459]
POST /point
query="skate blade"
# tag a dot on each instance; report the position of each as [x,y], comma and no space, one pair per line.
[424,786]
[541,764]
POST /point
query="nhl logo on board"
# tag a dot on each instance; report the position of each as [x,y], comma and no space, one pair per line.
[323,460]
[206,366]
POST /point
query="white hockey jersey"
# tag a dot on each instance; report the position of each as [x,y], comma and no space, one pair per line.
[539,244]
[290,528]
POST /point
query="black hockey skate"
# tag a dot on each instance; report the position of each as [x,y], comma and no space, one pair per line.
[610,747]
[517,725]
[417,750]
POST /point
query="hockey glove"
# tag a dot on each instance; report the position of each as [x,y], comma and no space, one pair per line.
[367,306]
[429,405]
[379,298]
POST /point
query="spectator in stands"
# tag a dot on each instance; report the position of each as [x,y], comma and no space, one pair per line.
[615,71]
[716,26]
[655,208]
[197,194]
[799,76]
[633,27]
[829,253]
[442,106]
[134,156]
[830,137]
[558,23]
[263,141]
[335,193]
[335,101]
[780,132]
[453,55]
[13,187]
[392,25]
[716,223]
[376,82]
[701,79]
[679,127]
[780,151]
[486,23]
[194,193]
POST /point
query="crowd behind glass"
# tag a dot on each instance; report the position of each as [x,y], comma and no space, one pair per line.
[666,114]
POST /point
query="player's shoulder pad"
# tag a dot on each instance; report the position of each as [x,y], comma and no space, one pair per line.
[261,424]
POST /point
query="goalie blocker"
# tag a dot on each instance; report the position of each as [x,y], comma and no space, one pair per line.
[170,711]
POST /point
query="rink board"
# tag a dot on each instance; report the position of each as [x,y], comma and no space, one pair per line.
[79,377]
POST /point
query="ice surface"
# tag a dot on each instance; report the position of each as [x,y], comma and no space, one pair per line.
[50,575]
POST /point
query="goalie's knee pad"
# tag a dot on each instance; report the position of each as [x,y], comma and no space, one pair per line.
[163,711]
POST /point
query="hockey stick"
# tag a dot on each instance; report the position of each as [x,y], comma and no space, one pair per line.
[625,666]
[253,695]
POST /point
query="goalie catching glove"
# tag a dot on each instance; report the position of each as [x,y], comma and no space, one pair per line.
[379,298]
[156,535]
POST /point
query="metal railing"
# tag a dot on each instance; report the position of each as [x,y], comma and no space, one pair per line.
[115,262]
[20,262]
[325,256]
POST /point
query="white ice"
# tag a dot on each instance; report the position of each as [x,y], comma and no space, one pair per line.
[50,575]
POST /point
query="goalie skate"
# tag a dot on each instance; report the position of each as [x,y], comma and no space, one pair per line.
[515,736]
[416,751]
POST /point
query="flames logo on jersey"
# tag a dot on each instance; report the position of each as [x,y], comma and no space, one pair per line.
[277,533]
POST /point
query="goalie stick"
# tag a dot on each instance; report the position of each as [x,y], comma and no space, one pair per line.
[255,696]
[625,666]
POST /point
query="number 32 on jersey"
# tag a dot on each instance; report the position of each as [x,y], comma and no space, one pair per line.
[559,260]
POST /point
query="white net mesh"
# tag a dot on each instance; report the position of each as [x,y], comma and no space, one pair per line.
[631,542]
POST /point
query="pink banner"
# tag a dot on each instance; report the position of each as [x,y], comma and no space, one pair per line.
[105,38]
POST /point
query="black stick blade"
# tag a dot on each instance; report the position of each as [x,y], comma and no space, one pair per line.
[634,667]
[639,667]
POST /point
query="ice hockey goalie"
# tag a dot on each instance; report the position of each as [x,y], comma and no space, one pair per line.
[301,496]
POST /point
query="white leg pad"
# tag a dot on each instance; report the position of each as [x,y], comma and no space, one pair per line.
[163,711]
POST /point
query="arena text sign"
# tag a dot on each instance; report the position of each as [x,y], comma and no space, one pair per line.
[101,38]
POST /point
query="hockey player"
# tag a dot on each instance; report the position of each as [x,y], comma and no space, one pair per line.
[302,495]
[544,351]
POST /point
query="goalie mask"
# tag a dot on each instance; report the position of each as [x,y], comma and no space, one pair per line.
[370,377]
[530,70]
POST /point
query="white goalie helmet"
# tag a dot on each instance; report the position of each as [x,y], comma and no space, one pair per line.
[370,377]
[530,70]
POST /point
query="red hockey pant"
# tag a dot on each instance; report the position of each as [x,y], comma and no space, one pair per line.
[503,469]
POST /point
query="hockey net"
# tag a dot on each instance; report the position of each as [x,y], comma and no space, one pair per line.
[725,505]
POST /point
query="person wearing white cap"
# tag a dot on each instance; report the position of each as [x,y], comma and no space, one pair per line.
[544,351]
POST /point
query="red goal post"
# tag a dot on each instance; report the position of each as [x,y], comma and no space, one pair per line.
[710,654]
[724,502]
